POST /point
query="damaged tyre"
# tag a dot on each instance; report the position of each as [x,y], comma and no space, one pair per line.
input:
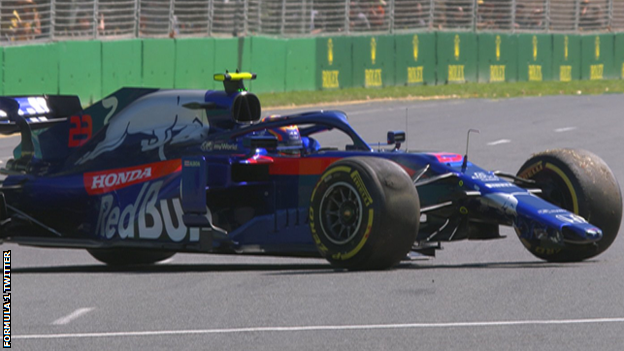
[582,183]
[364,213]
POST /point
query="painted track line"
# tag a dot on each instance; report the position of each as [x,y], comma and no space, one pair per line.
[77,313]
[498,142]
[325,328]
[565,129]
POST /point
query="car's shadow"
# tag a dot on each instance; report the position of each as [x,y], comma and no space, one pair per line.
[494,265]
[285,268]
[420,266]
[173,268]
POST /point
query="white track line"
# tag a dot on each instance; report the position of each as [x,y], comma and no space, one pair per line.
[565,129]
[77,313]
[497,142]
[323,328]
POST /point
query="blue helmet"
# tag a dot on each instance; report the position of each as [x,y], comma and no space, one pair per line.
[286,136]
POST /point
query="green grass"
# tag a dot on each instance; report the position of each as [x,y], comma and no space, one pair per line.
[468,90]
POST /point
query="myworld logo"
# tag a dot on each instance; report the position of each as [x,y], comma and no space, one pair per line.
[105,181]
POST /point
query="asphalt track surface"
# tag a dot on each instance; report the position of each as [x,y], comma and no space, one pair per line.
[474,296]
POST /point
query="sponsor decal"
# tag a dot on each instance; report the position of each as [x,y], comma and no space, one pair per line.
[6,301]
[535,73]
[415,74]
[485,177]
[315,236]
[81,130]
[551,211]
[571,218]
[359,183]
[534,48]
[549,251]
[146,218]
[155,122]
[219,146]
[456,73]
[207,146]
[330,79]
[596,72]
[102,182]
[190,163]
[373,45]
[499,185]
[372,77]
[447,157]
[565,73]
[532,170]
[497,73]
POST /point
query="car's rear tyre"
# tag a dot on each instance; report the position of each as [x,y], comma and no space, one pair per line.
[364,213]
[128,257]
[582,183]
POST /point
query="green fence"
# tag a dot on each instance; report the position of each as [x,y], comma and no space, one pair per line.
[373,61]
[80,69]
[618,59]
[566,57]
[535,57]
[597,57]
[93,69]
[194,63]
[268,61]
[300,64]
[334,62]
[158,63]
[121,65]
[1,70]
[498,57]
[457,57]
[415,57]
[227,55]
[31,69]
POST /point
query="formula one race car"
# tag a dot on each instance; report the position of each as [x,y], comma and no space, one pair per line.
[146,173]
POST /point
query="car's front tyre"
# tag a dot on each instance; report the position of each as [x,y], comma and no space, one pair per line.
[582,183]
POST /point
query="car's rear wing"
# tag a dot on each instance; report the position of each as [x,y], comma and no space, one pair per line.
[27,113]
[37,112]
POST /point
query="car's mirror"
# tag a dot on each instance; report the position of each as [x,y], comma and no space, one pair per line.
[268,142]
[396,136]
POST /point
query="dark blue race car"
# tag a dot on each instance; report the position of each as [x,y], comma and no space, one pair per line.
[146,173]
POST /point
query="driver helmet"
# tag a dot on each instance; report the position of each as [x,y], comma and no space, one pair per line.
[288,136]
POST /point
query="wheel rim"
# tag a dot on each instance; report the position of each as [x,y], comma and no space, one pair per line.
[341,213]
[551,186]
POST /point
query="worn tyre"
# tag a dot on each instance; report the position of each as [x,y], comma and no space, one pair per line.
[582,183]
[128,257]
[364,213]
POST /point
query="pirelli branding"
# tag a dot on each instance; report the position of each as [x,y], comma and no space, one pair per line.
[359,183]
[532,170]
